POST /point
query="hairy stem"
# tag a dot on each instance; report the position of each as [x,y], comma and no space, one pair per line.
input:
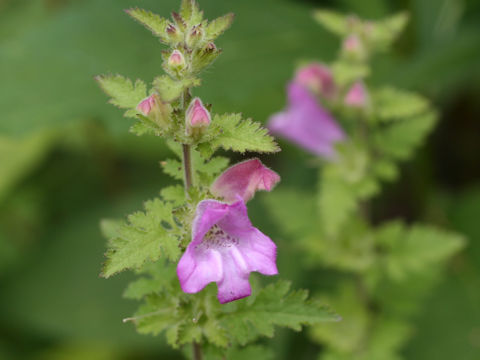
[197,351]
[187,167]
[187,159]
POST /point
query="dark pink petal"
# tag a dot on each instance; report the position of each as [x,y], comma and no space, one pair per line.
[244,179]
[317,78]
[306,123]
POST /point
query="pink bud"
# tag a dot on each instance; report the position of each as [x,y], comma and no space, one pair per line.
[352,44]
[197,115]
[176,59]
[357,96]
[317,78]
[244,179]
[147,105]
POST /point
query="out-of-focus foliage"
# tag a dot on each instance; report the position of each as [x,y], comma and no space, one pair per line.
[66,160]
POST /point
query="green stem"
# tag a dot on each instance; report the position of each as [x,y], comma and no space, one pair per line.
[187,167]
[197,351]
[187,159]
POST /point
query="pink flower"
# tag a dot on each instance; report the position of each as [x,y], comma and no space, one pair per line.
[197,115]
[244,179]
[147,105]
[306,123]
[357,95]
[225,249]
[317,78]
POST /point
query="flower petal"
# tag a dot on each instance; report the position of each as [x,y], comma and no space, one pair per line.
[259,252]
[306,123]
[208,213]
[244,179]
[234,284]
[198,268]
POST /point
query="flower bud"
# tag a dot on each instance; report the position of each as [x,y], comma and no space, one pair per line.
[147,105]
[156,110]
[318,79]
[197,117]
[176,60]
[353,47]
[195,36]
[357,96]
[173,33]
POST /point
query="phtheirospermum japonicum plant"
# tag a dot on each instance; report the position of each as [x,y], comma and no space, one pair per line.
[358,134]
[197,233]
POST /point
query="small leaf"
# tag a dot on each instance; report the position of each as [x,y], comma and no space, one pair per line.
[153,22]
[275,305]
[173,168]
[395,104]
[241,135]
[332,21]
[123,92]
[170,90]
[218,26]
[146,236]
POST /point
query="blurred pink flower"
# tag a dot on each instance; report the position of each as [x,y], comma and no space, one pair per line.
[357,95]
[306,123]
[317,78]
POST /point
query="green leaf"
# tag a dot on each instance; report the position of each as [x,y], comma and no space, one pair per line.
[346,73]
[207,170]
[153,22]
[400,138]
[190,12]
[123,93]
[275,305]
[393,104]
[218,26]
[170,90]
[144,237]
[175,194]
[347,335]
[332,21]
[414,250]
[384,32]
[158,277]
[173,167]
[239,135]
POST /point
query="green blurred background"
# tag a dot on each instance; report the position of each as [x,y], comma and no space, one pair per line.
[67,159]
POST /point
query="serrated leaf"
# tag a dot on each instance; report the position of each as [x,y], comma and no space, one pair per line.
[123,93]
[156,277]
[240,135]
[190,12]
[392,104]
[146,236]
[218,26]
[275,305]
[173,167]
[416,249]
[174,194]
[332,21]
[153,22]
[399,139]
[384,32]
[170,90]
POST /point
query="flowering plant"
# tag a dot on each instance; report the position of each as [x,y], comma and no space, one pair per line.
[199,232]
[361,132]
